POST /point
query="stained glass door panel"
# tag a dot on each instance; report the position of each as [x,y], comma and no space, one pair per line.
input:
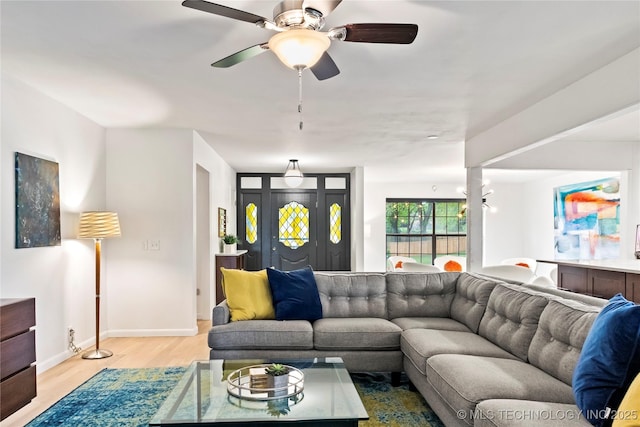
[293,230]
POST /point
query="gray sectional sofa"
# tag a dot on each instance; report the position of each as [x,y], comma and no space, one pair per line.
[482,352]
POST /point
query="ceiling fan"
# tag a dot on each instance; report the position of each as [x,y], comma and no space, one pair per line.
[299,43]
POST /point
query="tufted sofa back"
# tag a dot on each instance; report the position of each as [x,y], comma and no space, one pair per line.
[420,295]
[511,318]
[556,345]
[352,294]
[471,299]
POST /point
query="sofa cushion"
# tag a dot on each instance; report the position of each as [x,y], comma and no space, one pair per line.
[628,414]
[221,313]
[511,318]
[527,413]
[470,300]
[248,294]
[443,323]
[355,334]
[352,295]
[295,294]
[610,359]
[420,295]
[262,334]
[561,332]
[420,344]
[463,381]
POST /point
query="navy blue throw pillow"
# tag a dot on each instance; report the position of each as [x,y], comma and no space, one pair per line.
[609,361]
[295,294]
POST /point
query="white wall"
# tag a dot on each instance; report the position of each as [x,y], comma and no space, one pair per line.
[61,278]
[506,230]
[151,180]
[222,186]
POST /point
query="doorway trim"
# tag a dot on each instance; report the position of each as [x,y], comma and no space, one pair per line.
[260,188]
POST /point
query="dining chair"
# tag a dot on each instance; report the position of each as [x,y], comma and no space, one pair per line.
[396,262]
[529,263]
[451,263]
[416,266]
[509,272]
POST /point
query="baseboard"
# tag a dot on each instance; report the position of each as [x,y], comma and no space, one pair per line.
[53,361]
[152,332]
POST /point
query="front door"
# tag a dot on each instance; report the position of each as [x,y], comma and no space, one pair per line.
[293,229]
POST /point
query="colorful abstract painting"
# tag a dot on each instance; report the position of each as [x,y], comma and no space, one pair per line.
[37,202]
[587,220]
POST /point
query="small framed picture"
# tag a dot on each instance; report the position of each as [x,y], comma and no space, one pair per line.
[222,222]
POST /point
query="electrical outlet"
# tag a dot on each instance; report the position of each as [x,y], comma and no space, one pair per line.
[154,245]
[71,335]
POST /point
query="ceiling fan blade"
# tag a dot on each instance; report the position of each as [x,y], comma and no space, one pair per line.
[218,9]
[323,6]
[242,55]
[381,33]
[325,68]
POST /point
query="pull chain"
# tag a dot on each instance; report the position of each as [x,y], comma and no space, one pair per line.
[300,96]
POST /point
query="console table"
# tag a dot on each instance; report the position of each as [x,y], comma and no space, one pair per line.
[230,261]
[17,354]
[600,278]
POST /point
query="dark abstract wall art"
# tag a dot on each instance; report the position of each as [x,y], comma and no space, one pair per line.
[37,202]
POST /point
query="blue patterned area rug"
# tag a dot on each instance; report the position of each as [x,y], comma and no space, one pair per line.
[130,398]
[393,406]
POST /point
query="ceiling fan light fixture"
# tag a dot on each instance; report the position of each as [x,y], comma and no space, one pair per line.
[299,48]
[293,175]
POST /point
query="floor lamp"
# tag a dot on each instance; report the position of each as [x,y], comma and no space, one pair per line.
[97,226]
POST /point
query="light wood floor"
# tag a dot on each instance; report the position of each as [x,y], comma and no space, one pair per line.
[146,352]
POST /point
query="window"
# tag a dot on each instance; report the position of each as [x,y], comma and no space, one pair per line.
[251,215]
[335,223]
[425,228]
[293,224]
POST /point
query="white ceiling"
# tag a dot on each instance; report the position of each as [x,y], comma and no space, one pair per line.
[473,64]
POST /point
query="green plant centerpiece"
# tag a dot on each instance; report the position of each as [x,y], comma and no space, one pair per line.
[230,244]
[277,369]
[229,239]
[277,379]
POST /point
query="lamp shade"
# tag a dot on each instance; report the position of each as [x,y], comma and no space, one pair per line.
[300,47]
[293,175]
[98,225]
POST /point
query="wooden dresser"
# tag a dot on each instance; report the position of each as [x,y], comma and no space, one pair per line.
[17,354]
[230,261]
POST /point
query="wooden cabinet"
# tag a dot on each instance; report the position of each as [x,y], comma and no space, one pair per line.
[632,291]
[17,354]
[598,282]
[573,279]
[232,261]
[605,284]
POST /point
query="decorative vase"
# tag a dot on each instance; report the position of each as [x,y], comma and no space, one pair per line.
[279,383]
[230,248]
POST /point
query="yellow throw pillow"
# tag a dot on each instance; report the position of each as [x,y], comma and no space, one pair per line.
[248,294]
[628,414]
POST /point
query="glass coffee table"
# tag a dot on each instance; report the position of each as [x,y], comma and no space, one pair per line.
[200,398]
